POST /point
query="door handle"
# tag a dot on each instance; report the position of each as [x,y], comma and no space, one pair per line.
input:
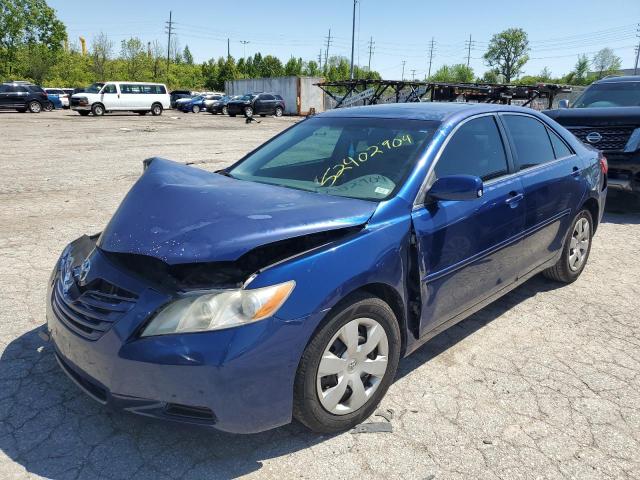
[514,197]
[575,172]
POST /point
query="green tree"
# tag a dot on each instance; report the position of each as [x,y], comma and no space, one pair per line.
[134,59]
[101,54]
[293,67]
[458,73]
[311,69]
[28,22]
[507,52]
[271,67]
[606,62]
[187,56]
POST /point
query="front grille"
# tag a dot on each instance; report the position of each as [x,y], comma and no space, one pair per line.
[75,102]
[94,309]
[613,138]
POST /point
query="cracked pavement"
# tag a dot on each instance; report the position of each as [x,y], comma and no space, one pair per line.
[543,384]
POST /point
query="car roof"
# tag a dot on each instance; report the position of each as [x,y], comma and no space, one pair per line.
[420,110]
[619,79]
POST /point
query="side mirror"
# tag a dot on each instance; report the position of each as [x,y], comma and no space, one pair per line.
[457,187]
[564,103]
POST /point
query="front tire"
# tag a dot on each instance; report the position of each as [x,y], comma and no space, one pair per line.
[575,253]
[248,112]
[34,107]
[97,109]
[348,366]
[195,109]
[225,110]
[279,111]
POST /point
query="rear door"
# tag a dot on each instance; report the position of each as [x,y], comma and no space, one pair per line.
[468,250]
[551,175]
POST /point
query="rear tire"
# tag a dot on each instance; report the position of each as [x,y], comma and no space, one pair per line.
[575,253]
[248,112]
[97,109]
[225,110]
[361,375]
[34,107]
[48,107]
[156,109]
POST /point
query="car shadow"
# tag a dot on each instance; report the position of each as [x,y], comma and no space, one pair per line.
[52,429]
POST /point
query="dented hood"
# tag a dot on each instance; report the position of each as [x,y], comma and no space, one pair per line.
[181,214]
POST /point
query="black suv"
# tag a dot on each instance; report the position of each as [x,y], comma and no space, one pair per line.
[23,96]
[607,117]
[262,104]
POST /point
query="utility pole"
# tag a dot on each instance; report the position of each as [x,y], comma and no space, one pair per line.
[635,69]
[326,53]
[228,48]
[371,44]
[403,62]
[469,45]
[244,48]
[430,56]
[169,29]
[413,75]
[320,60]
[353,37]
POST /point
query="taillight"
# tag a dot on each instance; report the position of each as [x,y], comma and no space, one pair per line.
[604,165]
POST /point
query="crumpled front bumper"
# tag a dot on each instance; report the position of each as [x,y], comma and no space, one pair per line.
[238,380]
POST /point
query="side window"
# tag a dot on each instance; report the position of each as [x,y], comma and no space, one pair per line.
[267,97]
[559,147]
[110,88]
[475,149]
[161,89]
[531,141]
[4,89]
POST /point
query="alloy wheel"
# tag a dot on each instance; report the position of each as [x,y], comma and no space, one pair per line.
[579,245]
[352,366]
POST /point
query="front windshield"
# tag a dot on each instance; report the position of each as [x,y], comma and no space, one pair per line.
[619,94]
[197,99]
[94,88]
[367,158]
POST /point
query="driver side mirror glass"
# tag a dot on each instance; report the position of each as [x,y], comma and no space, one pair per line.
[457,187]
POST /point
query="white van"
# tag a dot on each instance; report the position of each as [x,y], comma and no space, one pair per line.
[104,97]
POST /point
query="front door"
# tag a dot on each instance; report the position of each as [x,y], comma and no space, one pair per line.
[110,97]
[551,178]
[468,250]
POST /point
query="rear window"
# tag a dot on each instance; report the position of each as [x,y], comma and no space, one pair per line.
[34,89]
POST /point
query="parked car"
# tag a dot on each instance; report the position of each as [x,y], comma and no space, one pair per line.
[22,96]
[63,95]
[297,278]
[101,98]
[257,103]
[54,102]
[197,103]
[211,98]
[607,117]
[179,94]
[220,106]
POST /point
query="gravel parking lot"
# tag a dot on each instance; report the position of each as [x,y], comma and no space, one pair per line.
[545,383]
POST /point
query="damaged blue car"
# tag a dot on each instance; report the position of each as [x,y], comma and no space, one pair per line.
[290,284]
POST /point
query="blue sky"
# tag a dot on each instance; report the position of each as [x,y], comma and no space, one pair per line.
[401,29]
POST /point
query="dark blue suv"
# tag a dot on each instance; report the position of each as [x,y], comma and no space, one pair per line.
[292,283]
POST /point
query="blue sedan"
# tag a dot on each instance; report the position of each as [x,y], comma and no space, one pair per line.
[292,283]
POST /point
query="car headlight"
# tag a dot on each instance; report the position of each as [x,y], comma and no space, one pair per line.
[217,310]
